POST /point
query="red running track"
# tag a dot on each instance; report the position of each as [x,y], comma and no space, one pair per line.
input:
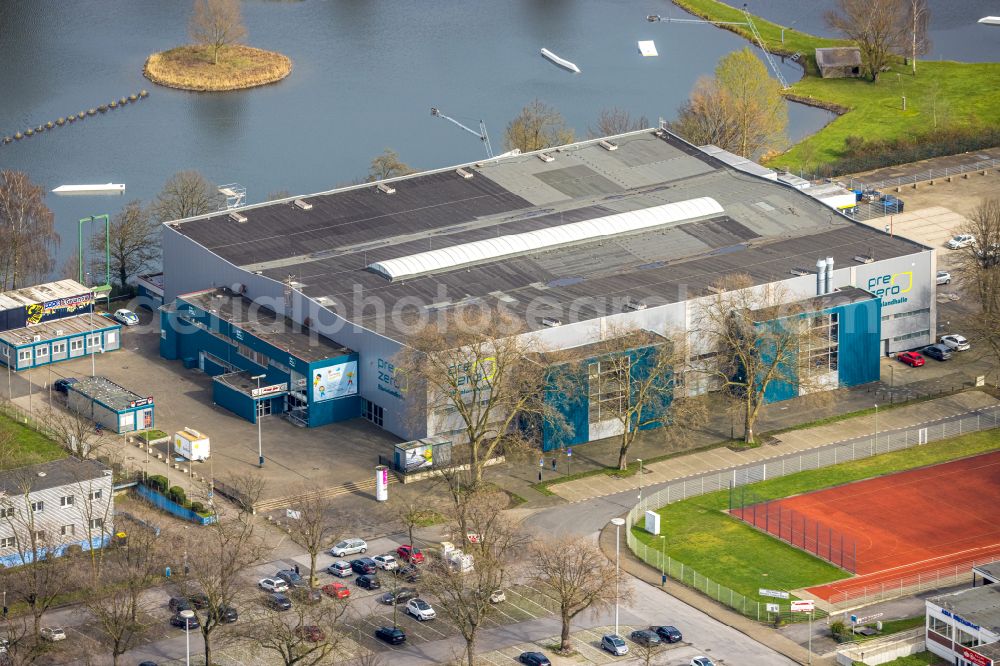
[911,522]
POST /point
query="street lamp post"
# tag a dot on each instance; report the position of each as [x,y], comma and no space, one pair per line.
[876,427]
[617,522]
[663,557]
[187,640]
[640,478]
[256,408]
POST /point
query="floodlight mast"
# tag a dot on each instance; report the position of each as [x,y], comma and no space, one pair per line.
[481,134]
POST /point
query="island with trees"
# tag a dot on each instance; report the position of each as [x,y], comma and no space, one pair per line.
[216,61]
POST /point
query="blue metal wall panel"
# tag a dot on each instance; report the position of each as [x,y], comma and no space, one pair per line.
[236,402]
[860,335]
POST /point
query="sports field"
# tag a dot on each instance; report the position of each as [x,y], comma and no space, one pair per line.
[901,524]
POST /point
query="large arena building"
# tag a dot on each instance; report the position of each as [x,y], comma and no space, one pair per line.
[630,230]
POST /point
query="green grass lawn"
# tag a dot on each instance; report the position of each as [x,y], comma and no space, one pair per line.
[942,94]
[28,447]
[701,535]
[926,658]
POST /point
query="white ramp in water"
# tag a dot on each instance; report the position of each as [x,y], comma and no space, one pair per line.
[562,62]
[107,188]
[991,20]
[648,49]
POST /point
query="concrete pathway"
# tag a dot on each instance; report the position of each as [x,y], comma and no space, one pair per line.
[787,443]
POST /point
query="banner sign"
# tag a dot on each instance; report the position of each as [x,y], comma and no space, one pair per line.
[804,606]
[334,381]
[268,390]
[774,594]
[141,403]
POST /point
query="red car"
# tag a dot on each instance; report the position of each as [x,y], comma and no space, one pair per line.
[311,633]
[912,359]
[408,553]
[337,590]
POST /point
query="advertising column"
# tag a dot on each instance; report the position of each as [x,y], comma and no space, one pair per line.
[381,483]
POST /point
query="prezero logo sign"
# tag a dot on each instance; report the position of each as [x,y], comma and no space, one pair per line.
[391,379]
[891,287]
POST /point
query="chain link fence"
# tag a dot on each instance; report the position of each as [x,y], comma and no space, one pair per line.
[826,456]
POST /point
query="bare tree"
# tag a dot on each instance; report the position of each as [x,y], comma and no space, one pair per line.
[740,109]
[387,165]
[133,243]
[186,194]
[917,21]
[27,233]
[223,552]
[75,433]
[538,126]
[876,26]
[495,544]
[314,528]
[756,339]
[93,502]
[634,380]
[617,121]
[980,270]
[414,510]
[647,652]
[115,611]
[309,638]
[217,24]
[579,577]
[479,380]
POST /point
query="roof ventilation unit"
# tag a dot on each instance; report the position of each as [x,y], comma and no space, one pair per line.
[303,204]
[545,157]
[799,271]
[59,331]
[862,259]
[634,305]
[551,322]
[463,173]
[607,145]
[238,218]
[385,189]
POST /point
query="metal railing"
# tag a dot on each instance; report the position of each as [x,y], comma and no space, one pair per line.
[826,456]
[928,175]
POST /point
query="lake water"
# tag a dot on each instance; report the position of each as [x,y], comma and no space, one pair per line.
[366,74]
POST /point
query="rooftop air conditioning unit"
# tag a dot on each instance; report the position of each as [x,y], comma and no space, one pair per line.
[607,145]
[635,305]
[36,338]
[59,331]
[800,271]
[385,189]
[304,205]
[463,173]
[551,321]
[238,218]
[862,259]
[545,157]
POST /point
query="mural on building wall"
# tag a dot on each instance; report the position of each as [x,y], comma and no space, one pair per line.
[335,381]
[42,312]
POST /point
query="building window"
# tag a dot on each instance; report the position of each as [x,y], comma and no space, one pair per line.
[76,344]
[250,354]
[7,512]
[59,347]
[67,530]
[372,412]
[42,352]
[965,639]
[263,407]
[910,336]
[38,507]
[96,523]
[66,501]
[281,366]
[39,535]
[819,346]
[96,495]
[911,313]
[608,388]
[94,340]
[24,356]
[8,542]
[939,626]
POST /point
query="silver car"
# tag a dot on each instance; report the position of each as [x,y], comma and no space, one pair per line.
[943,277]
[349,547]
[614,644]
[960,241]
[955,342]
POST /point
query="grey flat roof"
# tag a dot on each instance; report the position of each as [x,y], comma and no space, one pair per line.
[979,605]
[41,293]
[57,328]
[264,324]
[106,392]
[56,473]
[992,570]
[767,230]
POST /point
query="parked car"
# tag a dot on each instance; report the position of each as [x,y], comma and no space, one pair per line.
[420,609]
[364,565]
[891,204]
[614,644]
[408,572]
[497,597]
[391,635]
[337,590]
[702,661]
[910,358]
[53,634]
[306,595]
[400,596]
[408,553]
[272,585]
[340,568]
[62,385]
[386,562]
[126,317]
[368,581]
[177,604]
[311,633]
[955,342]
[938,351]
[960,241]
[668,633]
[645,637]
[534,659]
[185,619]
[278,602]
[349,547]
[289,576]
[225,614]
[198,600]
[943,277]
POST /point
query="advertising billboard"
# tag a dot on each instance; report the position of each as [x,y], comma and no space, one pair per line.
[335,381]
[56,309]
